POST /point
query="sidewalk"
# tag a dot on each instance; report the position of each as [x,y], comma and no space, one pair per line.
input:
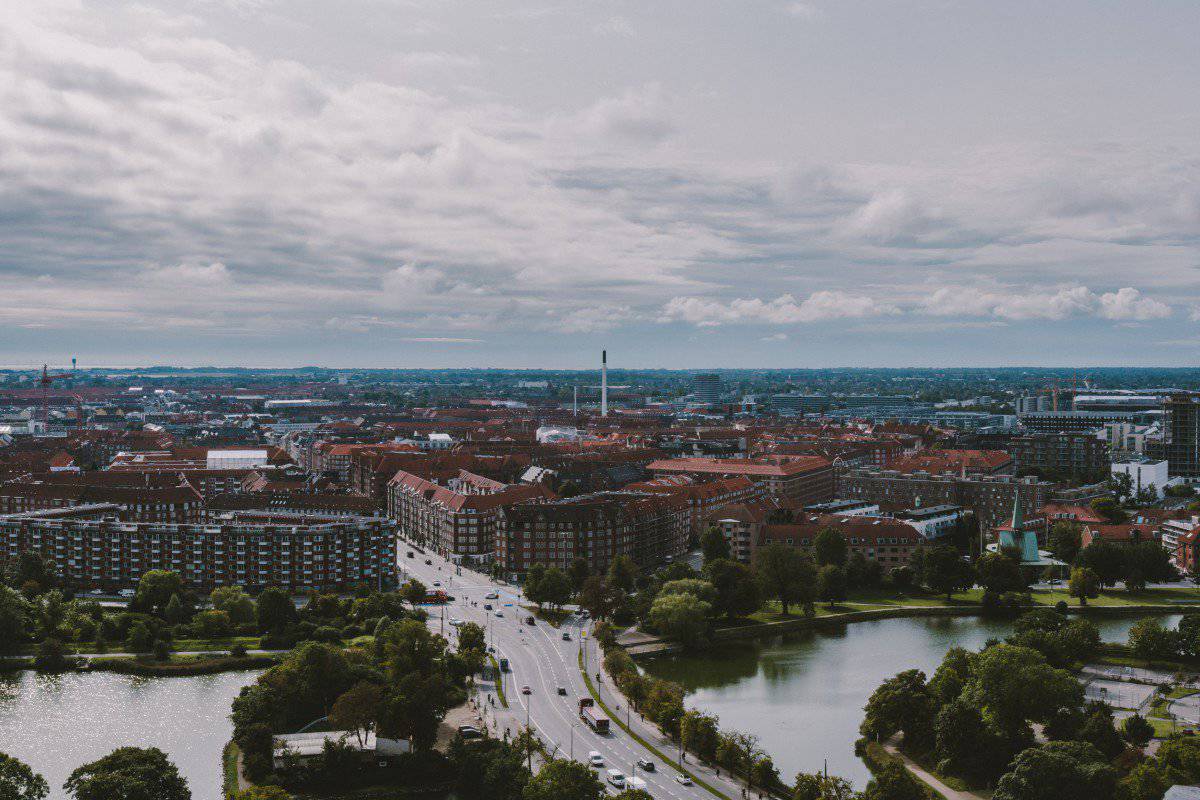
[928,779]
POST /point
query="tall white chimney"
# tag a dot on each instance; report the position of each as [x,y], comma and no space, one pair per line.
[604,383]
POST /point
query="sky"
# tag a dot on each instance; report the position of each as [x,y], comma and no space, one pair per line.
[689,184]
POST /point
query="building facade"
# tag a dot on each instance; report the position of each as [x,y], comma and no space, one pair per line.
[649,528]
[308,553]
[802,480]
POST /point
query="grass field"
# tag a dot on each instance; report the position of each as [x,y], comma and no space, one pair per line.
[882,599]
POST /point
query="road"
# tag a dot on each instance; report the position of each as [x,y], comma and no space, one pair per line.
[542,660]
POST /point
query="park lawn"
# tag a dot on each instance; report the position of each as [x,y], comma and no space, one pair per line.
[876,599]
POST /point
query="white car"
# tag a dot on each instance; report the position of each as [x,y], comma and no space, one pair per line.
[491,596]
[616,778]
[595,759]
[683,780]
[454,623]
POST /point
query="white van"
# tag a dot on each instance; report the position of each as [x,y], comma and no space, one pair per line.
[616,778]
[595,759]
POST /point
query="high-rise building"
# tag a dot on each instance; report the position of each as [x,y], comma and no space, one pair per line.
[1183,435]
[706,386]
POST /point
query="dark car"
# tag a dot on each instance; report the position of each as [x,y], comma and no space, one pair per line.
[645,765]
[430,563]
[469,732]
[562,690]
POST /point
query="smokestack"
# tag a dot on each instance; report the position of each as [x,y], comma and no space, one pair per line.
[604,383]
[575,403]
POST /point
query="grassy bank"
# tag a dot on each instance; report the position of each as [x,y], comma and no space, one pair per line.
[876,757]
[181,666]
[229,769]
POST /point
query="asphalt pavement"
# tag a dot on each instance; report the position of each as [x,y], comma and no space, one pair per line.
[541,659]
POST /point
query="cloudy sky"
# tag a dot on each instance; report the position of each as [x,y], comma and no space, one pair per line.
[688,183]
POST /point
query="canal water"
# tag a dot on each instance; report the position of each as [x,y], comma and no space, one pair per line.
[56,723]
[803,694]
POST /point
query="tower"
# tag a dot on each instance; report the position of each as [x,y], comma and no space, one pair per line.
[604,383]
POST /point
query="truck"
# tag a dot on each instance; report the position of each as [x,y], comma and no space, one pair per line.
[590,714]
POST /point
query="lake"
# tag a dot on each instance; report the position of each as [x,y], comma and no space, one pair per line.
[55,723]
[803,693]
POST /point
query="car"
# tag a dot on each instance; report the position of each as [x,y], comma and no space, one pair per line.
[487,606]
[526,690]
[595,759]
[491,596]
[428,562]
[616,778]
[469,732]
[499,613]
[437,583]
[645,765]
[127,593]
[683,780]
[530,620]
[491,649]
[566,636]
[454,623]
[410,554]
[562,690]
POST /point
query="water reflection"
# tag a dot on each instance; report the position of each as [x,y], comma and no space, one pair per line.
[55,723]
[803,693]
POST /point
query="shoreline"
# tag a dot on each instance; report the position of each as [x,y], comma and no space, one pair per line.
[651,646]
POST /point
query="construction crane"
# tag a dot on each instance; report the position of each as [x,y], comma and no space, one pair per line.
[45,382]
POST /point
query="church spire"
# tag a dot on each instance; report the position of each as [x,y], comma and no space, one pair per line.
[1018,518]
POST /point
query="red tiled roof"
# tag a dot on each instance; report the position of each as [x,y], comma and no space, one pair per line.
[736,466]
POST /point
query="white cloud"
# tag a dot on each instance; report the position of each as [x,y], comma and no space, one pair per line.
[1027,303]
[783,310]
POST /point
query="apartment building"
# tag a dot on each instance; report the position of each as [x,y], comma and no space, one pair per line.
[458,519]
[803,480]
[173,504]
[300,554]
[650,528]
[889,542]
[703,498]
[1080,454]
[989,497]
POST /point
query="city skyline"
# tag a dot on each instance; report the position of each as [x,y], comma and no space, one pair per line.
[423,184]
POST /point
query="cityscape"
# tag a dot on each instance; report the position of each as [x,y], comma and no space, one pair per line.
[535,400]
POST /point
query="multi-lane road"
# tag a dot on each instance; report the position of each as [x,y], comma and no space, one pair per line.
[542,659]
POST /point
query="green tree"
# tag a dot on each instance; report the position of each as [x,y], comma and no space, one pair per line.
[830,549]
[682,617]
[275,610]
[1013,685]
[554,588]
[700,589]
[174,613]
[1108,508]
[140,639]
[471,636]
[1147,562]
[1064,540]
[623,573]
[1084,584]
[787,575]
[212,624]
[234,602]
[1150,641]
[1137,730]
[579,571]
[155,589]
[713,545]
[564,780]
[19,782]
[51,656]
[30,573]
[14,619]
[1058,771]
[53,611]
[901,704]
[129,773]
[821,787]
[946,572]
[996,572]
[893,782]
[737,593]
[356,709]
[262,793]
[831,584]
[633,794]
[414,592]
[1106,559]
[595,597]
[700,733]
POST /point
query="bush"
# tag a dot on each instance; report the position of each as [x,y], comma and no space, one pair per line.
[162,650]
[51,657]
[238,651]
